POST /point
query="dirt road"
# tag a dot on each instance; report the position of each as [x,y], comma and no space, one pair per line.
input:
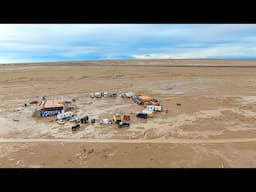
[137,141]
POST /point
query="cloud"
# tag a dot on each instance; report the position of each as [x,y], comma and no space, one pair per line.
[45,42]
[202,53]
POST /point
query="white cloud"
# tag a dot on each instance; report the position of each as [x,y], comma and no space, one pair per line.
[212,52]
[20,42]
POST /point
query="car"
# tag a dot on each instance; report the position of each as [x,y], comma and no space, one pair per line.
[66,115]
[127,117]
[93,120]
[138,101]
[129,94]
[97,94]
[84,119]
[105,94]
[123,124]
[75,127]
[116,118]
[142,115]
[158,108]
[105,121]
[113,95]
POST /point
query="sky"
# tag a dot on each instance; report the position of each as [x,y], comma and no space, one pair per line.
[21,43]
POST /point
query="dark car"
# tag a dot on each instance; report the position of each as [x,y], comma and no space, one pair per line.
[113,95]
[123,124]
[75,127]
[93,120]
[84,119]
[142,115]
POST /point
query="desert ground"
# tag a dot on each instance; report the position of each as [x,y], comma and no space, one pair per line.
[214,125]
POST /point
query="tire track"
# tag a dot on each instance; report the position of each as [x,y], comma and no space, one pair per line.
[162,141]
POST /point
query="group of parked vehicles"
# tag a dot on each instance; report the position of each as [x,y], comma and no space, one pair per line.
[63,108]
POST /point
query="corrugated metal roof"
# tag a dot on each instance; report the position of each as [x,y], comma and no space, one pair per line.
[144,97]
[50,104]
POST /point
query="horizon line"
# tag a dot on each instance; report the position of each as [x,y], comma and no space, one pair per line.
[77,61]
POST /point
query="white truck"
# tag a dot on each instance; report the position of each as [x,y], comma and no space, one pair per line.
[154,108]
[63,116]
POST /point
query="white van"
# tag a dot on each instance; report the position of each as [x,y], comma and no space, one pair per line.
[97,94]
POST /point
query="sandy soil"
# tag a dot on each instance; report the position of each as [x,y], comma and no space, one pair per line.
[218,105]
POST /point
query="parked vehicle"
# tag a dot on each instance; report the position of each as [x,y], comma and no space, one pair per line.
[105,121]
[129,94]
[92,95]
[138,101]
[93,120]
[148,112]
[151,103]
[158,108]
[105,94]
[84,119]
[127,117]
[147,103]
[97,94]
[141,99]
[123,124]
[75,127]
[113,95]
[116,118]
[63,116]
[142,115]
[154,108]
[150,108]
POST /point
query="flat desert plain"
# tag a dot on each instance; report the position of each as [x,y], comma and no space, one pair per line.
[213,124]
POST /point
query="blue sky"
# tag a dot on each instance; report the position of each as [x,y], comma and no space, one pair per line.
[74,42]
